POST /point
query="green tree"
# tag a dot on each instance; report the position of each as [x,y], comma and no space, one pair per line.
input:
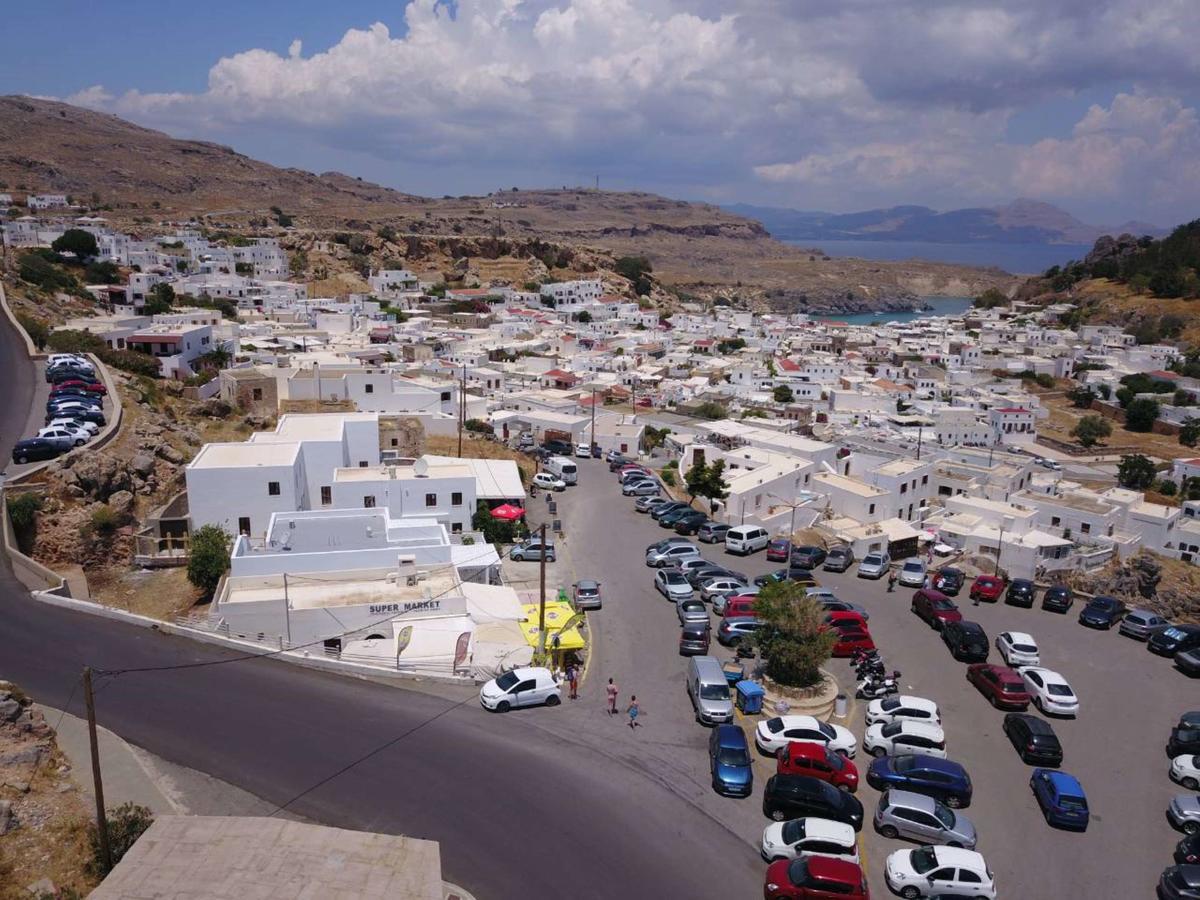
[794,642]
[668,476]
[1081,397]
[1090,430]
[730,345]
[583,317]
[1167,487]
[23,512]
[1141,414]
[989,299]
[1135,472]
[783,394]
[1189,432]
[209,557]
[76,240]
[707,481]
[101,272]
[653,438]
[494,531]
[711,410]
[162,296]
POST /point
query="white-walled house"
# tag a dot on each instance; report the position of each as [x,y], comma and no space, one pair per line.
[175,345]
[1012,425]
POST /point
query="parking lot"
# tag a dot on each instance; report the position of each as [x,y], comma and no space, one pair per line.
[1129,701]
[37,419]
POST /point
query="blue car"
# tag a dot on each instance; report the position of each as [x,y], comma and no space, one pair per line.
[1061,798]
[729,759]
[1102,612]
[942,779]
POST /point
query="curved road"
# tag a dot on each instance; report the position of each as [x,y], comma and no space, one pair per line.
[520,811]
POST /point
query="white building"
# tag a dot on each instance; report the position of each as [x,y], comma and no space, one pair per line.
[47,201]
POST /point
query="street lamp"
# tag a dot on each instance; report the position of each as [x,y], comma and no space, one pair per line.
[1006,522]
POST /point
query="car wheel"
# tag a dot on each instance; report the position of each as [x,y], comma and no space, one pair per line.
[954,802]
[22,459]
[79,442]
[910,893]
[878,752]
[844,787]
[1191,784]
[889,832]
[553,700]
[1191,828]
[778,815]
[503,706]
[954,844]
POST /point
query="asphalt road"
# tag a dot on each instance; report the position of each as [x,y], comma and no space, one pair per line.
[1130,699]
[520,810]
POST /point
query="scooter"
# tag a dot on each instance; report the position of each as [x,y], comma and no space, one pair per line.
[873,689]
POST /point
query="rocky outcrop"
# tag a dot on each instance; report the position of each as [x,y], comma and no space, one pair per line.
[1109,247]
[1167,587]
[95,475]
[838,302]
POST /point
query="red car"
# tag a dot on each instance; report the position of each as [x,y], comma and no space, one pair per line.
[815,878]
[93,387]
[779,550]
[987,587]
[817,761]
[851,639]
[844,618]
[741,605]
[1003,687]
[935,608]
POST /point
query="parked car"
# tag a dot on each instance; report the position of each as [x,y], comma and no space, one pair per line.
[1184,813]
[1179,882]
[1173,639]
[1018,648]
[839,559]
[800,576]
[987,587]
[722,585]
[798,796]
[669,518]
[1184,738]
[773,734]
[912,573]
[1187,851]
[669,542]
[533,550]
[808,557]
[690,523]
[527,686]
[1061,799]
[949,580]
[1020,593]
[1102,612]
[34,449]
[72,411]
[1033,739]
[905,736]
[729,761]
[903,707]
[669,556]
[814,877]
[1141,624]
[942,779]
[558,447]
[967,641]
[649,502]
[90,427]
[935,608]
[1058,598]
[695,638]
[779,550]
[701,570]
[733,629]
[920,818]
[645,488]
[874,565]
[616,461]
[1050,691]
[630,475]
[817,761]
[808,838]
[661,511]
[745,539]
[1188,662]
[673,585]
[833,604]
[940,871]
[691,611]
[734,606]
[583,451]
[548,482]
[1185,770]
[65,438]
[712,532]
[1003,687]
[850,640]
[586,594]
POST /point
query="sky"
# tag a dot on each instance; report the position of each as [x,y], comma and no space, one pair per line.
[836,105]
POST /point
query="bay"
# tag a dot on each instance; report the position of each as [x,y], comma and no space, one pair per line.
[1020,259]
[941,306]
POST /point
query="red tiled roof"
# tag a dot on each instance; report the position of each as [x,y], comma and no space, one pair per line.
[788,366]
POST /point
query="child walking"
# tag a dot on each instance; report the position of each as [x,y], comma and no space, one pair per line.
[633,712]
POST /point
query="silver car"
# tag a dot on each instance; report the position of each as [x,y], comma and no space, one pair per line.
[874,565]
[721,586]
[1140,624]
[1184,813]
[641,489]
[645,504]
[670,556]
[672,585]
[691,611]
[587,594]
[912,573]
[922,819]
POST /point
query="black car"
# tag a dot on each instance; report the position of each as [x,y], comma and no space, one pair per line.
[949,580]
[1188,662]
[1190,720]
[1183,741]
[690,523]
[1179,883]
[1058,598]
[967,641]
[798,796]
[34,449]
[1187,851]
[69,373]
[1174,639]
[839,559]
[559,448]
[1020,593]
[618,461]
[806,557]
[1102,612]
[1034,739]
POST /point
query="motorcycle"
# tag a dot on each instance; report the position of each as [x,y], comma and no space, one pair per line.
[873,689]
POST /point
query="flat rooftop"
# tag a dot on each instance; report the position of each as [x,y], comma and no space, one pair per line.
[311,427]
[850,485]
[216,456]
[339,589]
[401,473]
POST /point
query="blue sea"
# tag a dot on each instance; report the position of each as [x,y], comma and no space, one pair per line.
[942,306]
[1020,259]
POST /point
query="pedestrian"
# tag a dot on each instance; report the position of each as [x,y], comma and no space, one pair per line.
[573,681]
[612,697]
[891,581]
[633,712]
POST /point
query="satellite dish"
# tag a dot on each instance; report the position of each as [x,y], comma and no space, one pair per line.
[421,467]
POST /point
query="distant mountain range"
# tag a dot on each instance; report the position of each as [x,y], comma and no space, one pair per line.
[1020,222]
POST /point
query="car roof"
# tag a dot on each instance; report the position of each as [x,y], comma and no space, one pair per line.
[913,562]
[1020,582]
[1004,673]
[933,764]
[799,721]
[1048,675]
[1035,725]
[924,729]
[969,627]
[729,735]
[1063,782]
[815,826]
[830,869]
[1020,637]
[531,672]
[911,799]
[587,583]
[807,749]
[957,856]
[909,700]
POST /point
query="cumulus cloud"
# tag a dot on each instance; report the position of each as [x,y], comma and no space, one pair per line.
[909,98]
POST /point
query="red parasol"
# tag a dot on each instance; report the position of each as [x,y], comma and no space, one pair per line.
[507,512]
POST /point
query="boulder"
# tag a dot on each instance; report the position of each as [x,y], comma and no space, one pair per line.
[121,503]
[27,756]
[100,475]
[10,708]
[8,822]
[169,453]
[142,464]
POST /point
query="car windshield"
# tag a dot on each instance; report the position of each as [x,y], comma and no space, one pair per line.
[793,830]
[732,756]
[1073,803]
[1059,690]
[714,692]
[1025,648]
[826,729]
[674,578]
[1103,603]
[873,560]
[903,763]
[942,604]
[798,871]
[775,725]
[913,567]
[1175,634]
[507,680]
[889,704]
[1011,687]
[923,860]
[891,729]
[943,814]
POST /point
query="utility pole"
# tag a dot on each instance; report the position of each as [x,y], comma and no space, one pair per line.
[462,407]
[287,609]
[593,420]
[542,594]
[101,818]
[920,434]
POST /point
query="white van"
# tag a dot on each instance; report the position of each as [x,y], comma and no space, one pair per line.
[746,539]
[564,468]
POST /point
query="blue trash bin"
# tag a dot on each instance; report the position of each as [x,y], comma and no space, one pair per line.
[750,697]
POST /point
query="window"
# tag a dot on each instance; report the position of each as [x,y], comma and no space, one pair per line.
[456,498]
[966,876]
[431,499]
[445,396]
[1085,527]
[904,488]
[273,488]
[1055,521]
[244,525]
[924,480]
[370,388]
[369,501]
[871,510]
[395,442]
[362,463]
[256,394]
[326,495]
[456,527]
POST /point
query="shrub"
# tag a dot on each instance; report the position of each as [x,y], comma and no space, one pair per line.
[126,824]
[792,642]
[478,426]
[36,328]
[34,268]
[1090,430]
[104,520]
[1141,414]
[209,557]
[668,477]
[22,512]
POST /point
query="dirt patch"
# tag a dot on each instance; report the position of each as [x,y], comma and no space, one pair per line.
[1064,416]
[158,593]
[440,445]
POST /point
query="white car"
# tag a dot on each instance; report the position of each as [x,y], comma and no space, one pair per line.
[549,482]
[1050,691]
[902,706]
[80,435]
[775,734]
[809,837]
[1185,770]
[936,871]
[90,427]
[526,686]
[905,736]
[63,437]
[673,585]
[583,451]
[912,573]
[712,588]
[1018,649]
